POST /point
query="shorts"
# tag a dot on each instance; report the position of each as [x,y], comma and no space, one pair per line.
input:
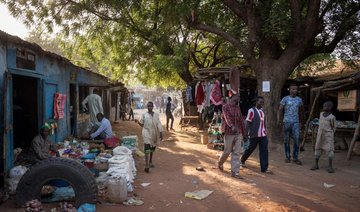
[148,148]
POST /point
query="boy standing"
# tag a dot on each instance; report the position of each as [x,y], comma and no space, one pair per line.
[152,134]
[325,136]
[288,116]
[256,128]
[169,115]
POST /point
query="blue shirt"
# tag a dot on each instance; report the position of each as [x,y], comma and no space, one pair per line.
[291,106]
[105,127]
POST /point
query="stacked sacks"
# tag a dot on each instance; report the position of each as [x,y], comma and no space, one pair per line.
[131,142]
[122,165]
[15,175]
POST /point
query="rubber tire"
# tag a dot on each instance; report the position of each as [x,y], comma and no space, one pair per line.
[73,172]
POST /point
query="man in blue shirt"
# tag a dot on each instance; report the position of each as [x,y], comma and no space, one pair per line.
[104,131]
[290,117]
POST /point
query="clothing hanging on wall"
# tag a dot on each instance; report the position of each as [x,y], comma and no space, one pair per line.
[188,94]
[234,79]
[59,105]
[216,93]
[208,88]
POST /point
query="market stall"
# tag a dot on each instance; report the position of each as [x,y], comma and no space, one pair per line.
[210,91]
[109,164]
[346,92]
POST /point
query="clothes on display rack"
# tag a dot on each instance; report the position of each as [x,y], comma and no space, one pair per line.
[216,95]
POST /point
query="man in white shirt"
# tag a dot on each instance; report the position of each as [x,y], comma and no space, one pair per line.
[104,131]
[152,132]
[94,103]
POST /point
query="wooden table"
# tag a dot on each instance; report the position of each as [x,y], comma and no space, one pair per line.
[186,120]
[342,132]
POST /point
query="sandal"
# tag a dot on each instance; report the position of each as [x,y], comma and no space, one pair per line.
[297,161]
[236,175]
[146,169]
[268,172]
[330,170]
[221,167]
[314,168]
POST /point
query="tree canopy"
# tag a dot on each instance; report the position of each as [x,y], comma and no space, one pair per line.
[122,39]
[157,39]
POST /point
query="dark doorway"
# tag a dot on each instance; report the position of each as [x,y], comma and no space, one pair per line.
[25,110]
[73,109]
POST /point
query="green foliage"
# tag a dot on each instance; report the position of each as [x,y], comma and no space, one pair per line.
[123,39]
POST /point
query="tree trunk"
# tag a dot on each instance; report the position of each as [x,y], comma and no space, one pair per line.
[184,72]
[272,100]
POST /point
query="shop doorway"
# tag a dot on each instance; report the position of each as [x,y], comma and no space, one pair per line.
[25,110]
[73,109]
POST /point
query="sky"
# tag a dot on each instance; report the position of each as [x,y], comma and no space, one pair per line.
[11,25]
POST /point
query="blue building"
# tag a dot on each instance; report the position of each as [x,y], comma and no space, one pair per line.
[29,79]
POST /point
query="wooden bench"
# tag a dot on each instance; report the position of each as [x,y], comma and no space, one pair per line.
[186,121]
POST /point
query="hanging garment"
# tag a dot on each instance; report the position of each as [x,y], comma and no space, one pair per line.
[208,88]
[188,94]
[59,105]
[215,95]
[234,79]
[200,95]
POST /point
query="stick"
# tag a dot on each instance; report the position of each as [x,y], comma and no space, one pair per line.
[353,140]
[310,117]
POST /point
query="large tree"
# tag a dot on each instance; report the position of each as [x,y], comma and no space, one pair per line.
[275,36]
[147,38]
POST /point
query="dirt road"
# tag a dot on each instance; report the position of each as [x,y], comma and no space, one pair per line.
[291,188]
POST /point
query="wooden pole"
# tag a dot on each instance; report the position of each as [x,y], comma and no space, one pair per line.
[353,140]
[310,117]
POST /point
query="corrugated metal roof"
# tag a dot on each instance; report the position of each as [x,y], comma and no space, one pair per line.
[7,38]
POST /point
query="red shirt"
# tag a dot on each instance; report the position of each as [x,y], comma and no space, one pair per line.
[232,117]
[257,125]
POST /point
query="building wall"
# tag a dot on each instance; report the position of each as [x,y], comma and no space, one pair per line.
[50,71]
[2,68]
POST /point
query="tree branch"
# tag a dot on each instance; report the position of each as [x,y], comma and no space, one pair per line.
[227,36]
[295,7]
[312,16]
[237,8]
[328,6]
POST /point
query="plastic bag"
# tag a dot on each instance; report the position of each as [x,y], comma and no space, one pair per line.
[117,190]
[12,184]
[18,172]
[121,150]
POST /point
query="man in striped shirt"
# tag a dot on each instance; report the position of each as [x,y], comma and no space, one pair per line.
[233,128]
[256,130]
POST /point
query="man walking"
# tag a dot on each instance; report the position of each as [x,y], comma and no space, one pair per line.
[151,132]
[233,128]
[291,107]
[169,115]
[94,103]
[255,122]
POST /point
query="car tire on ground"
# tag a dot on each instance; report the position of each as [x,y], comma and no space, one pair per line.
[77,175]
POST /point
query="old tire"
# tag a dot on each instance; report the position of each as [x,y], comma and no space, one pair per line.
[71,171]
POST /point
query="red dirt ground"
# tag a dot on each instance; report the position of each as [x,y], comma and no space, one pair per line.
[291,188]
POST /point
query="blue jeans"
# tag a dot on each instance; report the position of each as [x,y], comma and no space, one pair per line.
[291,129]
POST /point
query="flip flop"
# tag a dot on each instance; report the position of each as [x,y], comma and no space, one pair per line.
[146,169]
[330,170]
[221,167]
[237,176]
